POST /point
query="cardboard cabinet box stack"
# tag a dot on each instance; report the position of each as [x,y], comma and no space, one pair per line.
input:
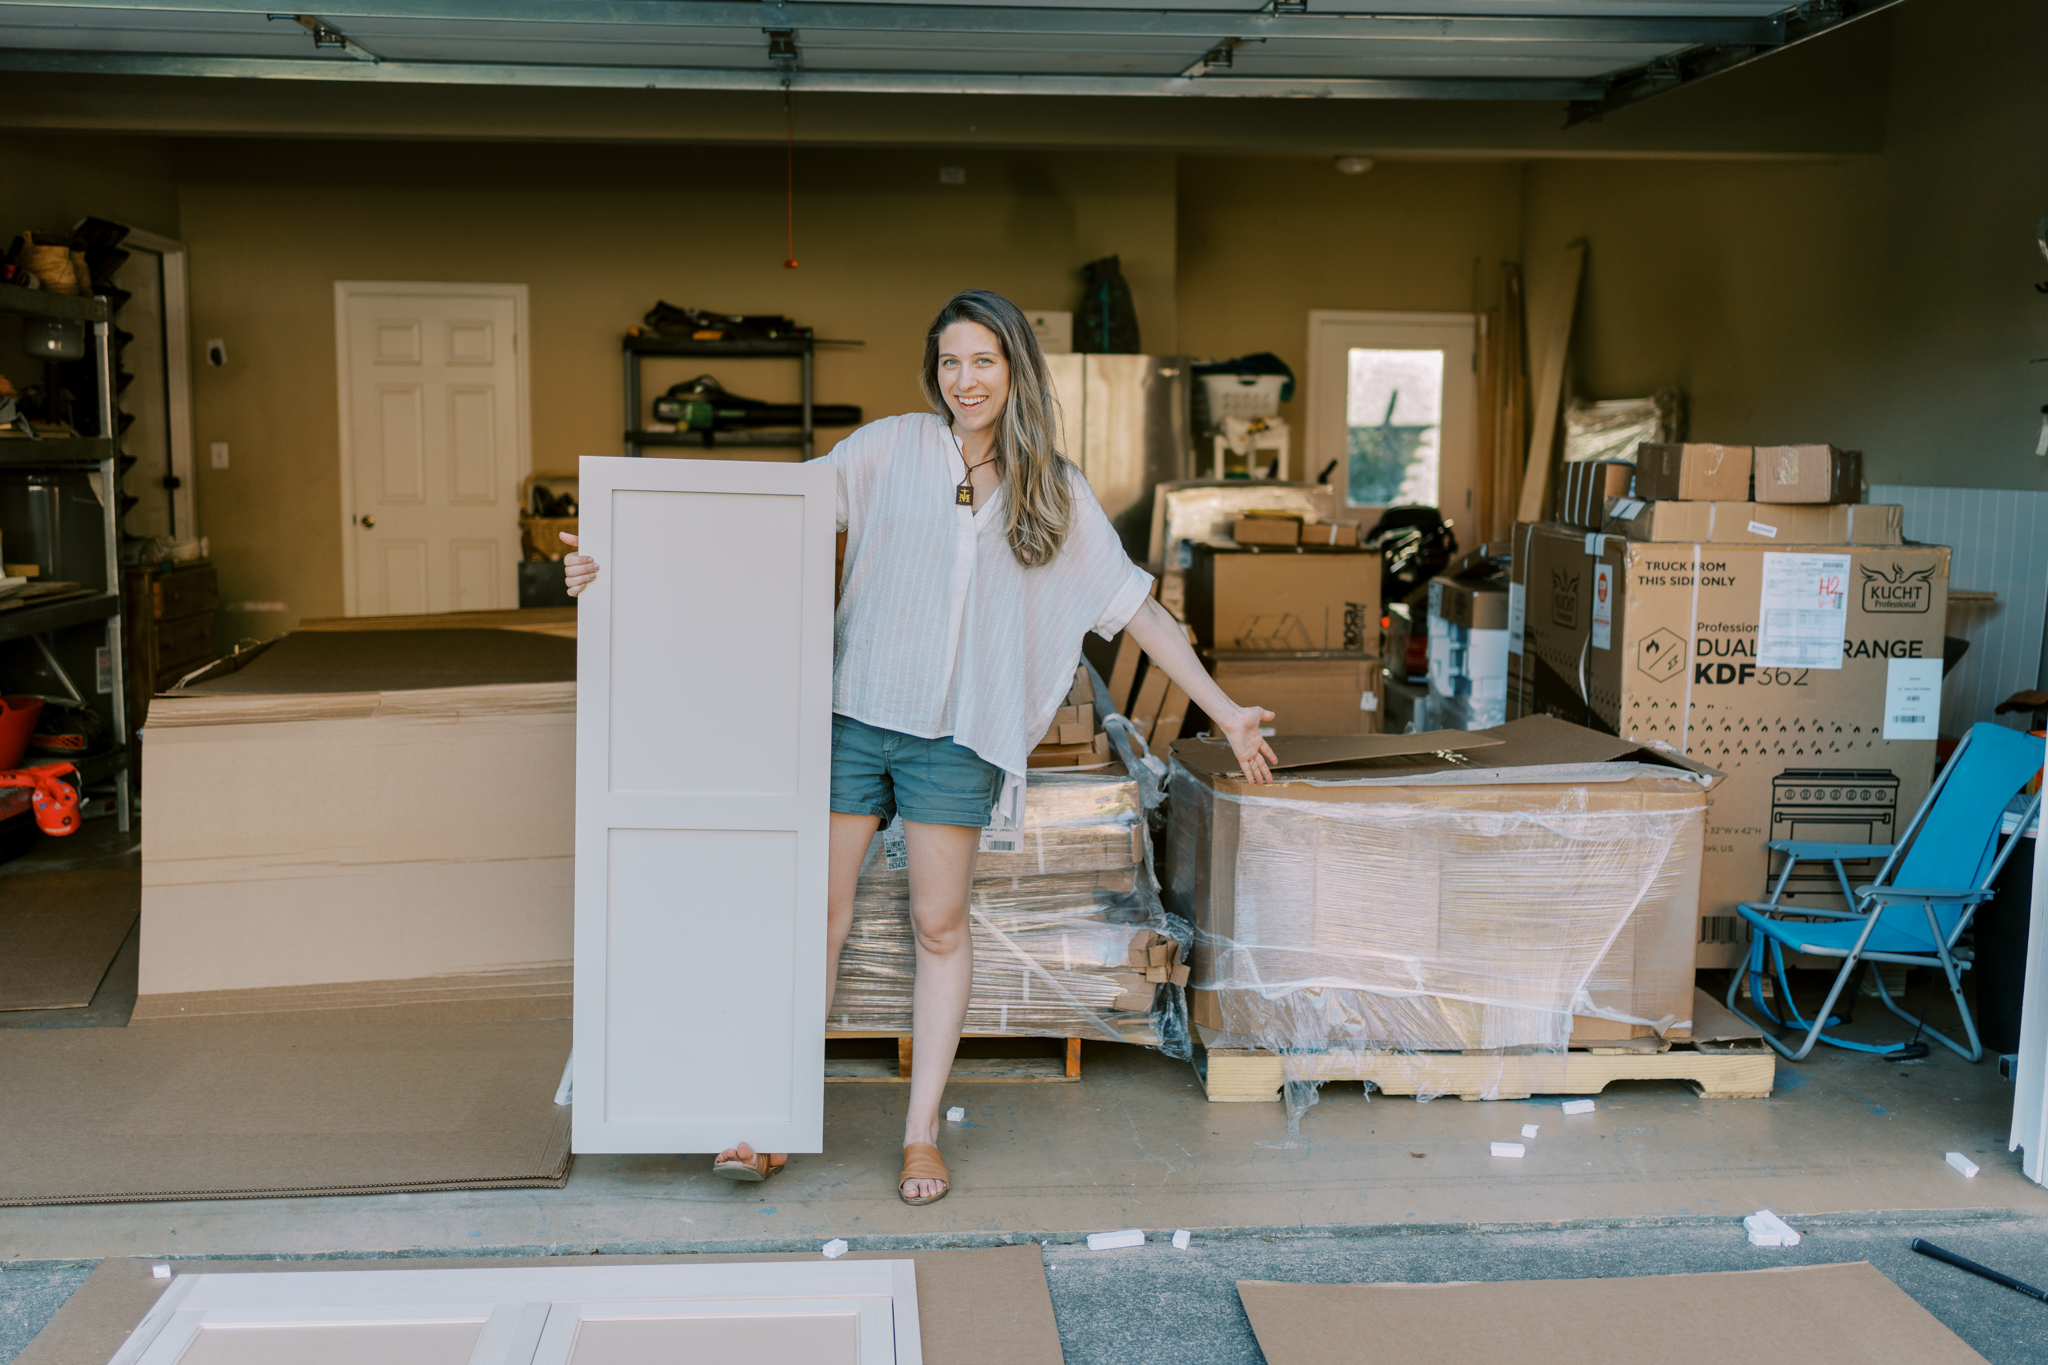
[1789,638]
[1069,936]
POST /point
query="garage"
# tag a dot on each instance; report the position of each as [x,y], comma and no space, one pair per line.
[1520,766]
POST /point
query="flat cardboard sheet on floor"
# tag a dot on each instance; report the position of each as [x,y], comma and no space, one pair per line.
[58,932]
[1797,1313]
[988,1306]
[233,1111]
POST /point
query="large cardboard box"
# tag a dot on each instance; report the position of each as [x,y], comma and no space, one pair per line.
[1284,599]
[1327,692]
[1440,891]
[367,824]
[1750,523]
[1819,702]
[1692,472]
[1808,474]
[1471,603]
[1586,487]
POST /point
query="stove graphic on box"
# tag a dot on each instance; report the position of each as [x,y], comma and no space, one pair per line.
[1835,806]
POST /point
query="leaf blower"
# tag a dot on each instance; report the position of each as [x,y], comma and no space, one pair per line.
[702,404]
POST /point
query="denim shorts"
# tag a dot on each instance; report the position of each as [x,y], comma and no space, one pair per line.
[932,781]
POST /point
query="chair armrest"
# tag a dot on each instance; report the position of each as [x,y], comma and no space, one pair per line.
[1809,848]
[1921,893]
[1799,911]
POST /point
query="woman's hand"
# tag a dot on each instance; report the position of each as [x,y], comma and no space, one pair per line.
[1241,728]
[578,571]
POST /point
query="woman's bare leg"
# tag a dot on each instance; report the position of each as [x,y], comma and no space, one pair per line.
[850,837]
[941,872]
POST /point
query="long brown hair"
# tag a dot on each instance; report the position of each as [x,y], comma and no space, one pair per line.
[1038,507]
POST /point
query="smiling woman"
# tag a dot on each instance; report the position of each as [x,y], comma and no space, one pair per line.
[976,560]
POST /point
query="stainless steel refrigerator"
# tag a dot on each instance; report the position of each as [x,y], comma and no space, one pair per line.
[1125,420]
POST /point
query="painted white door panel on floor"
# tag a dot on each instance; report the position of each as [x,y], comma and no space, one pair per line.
[703,761]
[433,445]
[789,1313]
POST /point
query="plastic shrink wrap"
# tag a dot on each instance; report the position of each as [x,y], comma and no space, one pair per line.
[1509,889]
[1067,926]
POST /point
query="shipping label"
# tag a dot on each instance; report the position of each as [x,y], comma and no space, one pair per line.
[1603,606]
[1805,611]
[1912,699]
[1518,600]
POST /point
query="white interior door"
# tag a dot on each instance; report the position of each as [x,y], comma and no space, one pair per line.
[703,768]
[1393,398]
[771,1313]
[433,445]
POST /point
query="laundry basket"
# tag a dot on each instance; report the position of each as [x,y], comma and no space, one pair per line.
[540,537]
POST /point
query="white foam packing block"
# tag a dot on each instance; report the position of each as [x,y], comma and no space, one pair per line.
[1962,1163]
[1181,1238]
[955,1114]
[1578,1106]
[1111,1241]
[1514,1149]
[834,1249]
[1766,1229]
[1529,1130]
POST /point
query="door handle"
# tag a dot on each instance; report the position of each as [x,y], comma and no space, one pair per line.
[367,521]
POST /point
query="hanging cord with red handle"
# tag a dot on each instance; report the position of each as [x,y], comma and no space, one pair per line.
[789,147]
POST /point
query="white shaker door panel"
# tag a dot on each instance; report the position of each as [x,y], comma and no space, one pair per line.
[703,760]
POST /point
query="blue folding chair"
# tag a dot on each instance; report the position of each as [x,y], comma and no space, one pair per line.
[1931,883]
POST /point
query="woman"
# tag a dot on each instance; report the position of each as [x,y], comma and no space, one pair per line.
[976,558]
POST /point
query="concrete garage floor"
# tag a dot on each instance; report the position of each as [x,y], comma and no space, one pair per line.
[1849,1148]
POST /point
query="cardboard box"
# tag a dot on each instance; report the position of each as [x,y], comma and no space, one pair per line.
[1668,644]
[1588,484]
[375,821]
[1692,472]
[1470,603]
[1309,693]
[1808,474]
[1340,534]
[1749,523]
[1257,530]
[1286,600]
[1431,904]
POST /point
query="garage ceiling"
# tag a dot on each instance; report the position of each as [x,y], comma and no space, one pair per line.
[1598,54]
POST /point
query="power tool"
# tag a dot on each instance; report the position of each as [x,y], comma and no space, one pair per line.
[702,404]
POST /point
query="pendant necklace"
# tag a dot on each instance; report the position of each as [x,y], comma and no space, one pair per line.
[963,496]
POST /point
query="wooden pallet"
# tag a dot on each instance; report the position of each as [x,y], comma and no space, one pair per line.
[964,1068]
[1250,1076]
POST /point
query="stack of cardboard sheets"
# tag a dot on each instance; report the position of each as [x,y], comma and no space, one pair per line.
[372,824]
[1069,936]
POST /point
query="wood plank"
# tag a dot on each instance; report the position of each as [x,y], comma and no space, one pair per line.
[1144,712]
[1550,389]
[1172,712]
[1066,1067]
[1123,675]
[1248,1076]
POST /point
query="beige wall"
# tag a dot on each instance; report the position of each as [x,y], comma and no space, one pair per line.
[1882,302]
[1265,239]
[598,234]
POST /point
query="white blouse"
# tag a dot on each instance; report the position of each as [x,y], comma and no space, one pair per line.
[940,631]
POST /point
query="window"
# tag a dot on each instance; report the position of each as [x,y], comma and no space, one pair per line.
[1391,402]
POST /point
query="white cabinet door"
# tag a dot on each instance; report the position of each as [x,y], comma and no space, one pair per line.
[774,1313]
[703,767]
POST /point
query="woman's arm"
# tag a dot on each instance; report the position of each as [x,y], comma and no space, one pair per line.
[1166,640]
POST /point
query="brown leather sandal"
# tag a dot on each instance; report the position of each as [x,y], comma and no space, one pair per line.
[921,1161]
[760,1168]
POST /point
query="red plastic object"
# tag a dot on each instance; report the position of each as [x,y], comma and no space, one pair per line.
[56,800]
[17,722]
